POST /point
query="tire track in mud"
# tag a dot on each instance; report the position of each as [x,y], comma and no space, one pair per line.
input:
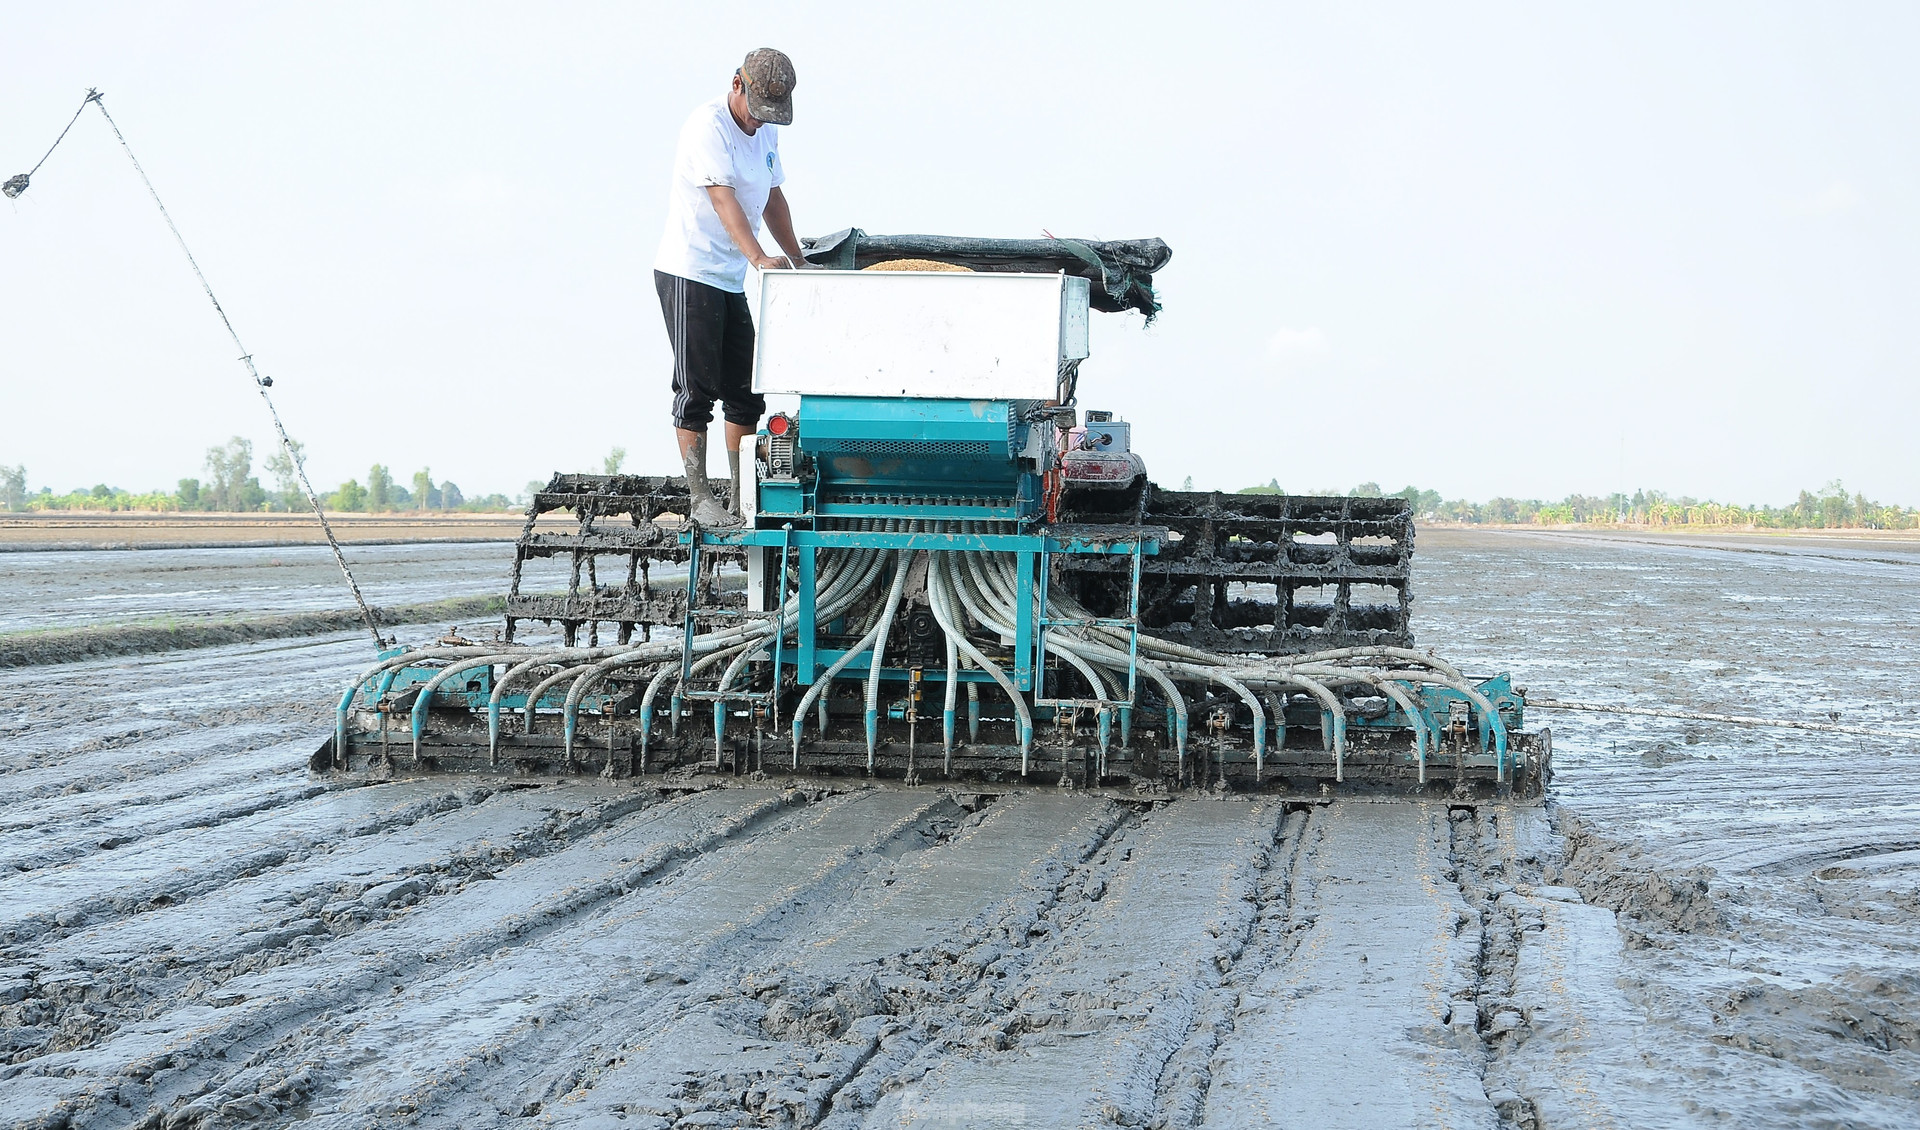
[161,746]
[1355,1026]
[652,962]
[97,726]
[1274,934]
[954,993]
[187,764]
[836,1028]
[858,977]
[845,1030]
[118,756]
[1495,876]
[194,860]
[46,831]
[1129,967]
[876,1004]
[240,1054]
[44,727]
[852,985]
[80,987]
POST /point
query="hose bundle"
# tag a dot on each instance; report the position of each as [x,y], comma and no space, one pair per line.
[968,592]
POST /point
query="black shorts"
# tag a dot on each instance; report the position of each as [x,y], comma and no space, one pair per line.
[712,336]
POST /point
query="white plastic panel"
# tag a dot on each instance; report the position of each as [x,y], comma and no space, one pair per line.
[943,334]
[756,578]
[1075,314]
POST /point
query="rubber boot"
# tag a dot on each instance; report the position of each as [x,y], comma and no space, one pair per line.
[707,510]
[733,504]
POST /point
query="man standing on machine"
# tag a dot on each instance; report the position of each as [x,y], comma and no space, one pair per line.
[726,178]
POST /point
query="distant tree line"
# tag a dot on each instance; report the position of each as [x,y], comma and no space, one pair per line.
[230,486]
[1832,507]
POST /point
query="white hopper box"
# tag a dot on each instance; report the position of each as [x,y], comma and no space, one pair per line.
[935,334]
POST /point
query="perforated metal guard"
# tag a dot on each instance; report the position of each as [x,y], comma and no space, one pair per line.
[945,449]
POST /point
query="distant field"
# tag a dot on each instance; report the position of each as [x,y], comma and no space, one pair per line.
[1889,547]
[126,530]
[1689,531]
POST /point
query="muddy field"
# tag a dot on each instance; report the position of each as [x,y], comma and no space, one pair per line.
[99,588]
[170,530]
[1702,927]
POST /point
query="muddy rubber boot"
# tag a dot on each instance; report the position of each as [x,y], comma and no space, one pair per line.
[707,510]
[733,464]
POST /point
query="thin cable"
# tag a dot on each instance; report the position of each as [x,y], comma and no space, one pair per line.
[92,96]
[260,382]
[18,184]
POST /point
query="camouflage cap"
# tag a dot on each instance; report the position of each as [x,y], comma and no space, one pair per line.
[768,77]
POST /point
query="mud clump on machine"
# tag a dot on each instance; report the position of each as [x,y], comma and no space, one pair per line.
[951,572]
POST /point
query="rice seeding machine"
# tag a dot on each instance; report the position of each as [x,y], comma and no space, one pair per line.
[946,569]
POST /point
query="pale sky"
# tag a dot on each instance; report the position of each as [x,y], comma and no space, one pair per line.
[1511,249]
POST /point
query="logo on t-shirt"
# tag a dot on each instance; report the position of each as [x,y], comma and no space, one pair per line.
[769,162]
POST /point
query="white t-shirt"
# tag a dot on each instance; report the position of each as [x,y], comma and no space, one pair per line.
[713,150]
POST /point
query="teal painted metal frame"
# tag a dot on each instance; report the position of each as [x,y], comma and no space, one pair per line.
[1131,622]
[1031,576]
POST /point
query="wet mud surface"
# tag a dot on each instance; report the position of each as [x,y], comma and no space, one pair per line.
[1702,926]
[94,588]
[147,530]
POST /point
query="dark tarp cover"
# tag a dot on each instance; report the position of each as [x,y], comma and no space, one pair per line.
[1121,270]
